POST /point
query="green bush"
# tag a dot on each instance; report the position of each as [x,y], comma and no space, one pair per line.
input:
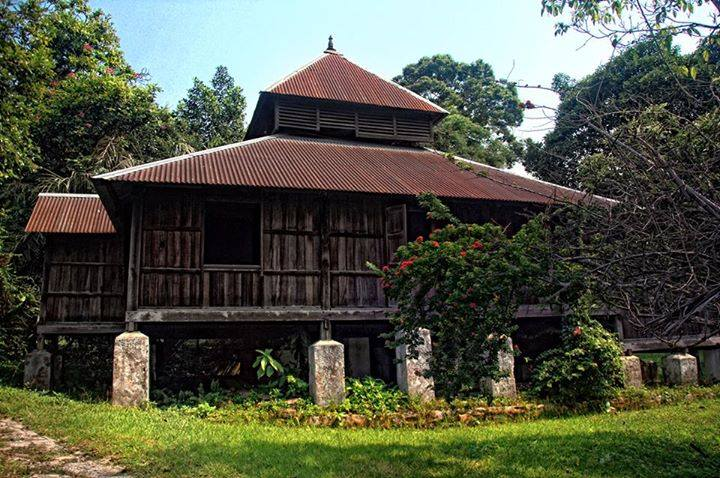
[586,368]
[371,397]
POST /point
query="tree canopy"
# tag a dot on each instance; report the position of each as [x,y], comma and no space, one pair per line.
[213,115]
[615,94]
[482,109]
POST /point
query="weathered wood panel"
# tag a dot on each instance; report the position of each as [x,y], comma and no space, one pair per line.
[228,288]
[85,278]
[356,236]
[171,250]
[291,250]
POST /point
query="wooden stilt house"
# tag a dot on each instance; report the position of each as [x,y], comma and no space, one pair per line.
[270,235]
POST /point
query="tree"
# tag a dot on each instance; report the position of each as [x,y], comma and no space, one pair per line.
[653,254]
[213,115]
[482,109]
[613,95]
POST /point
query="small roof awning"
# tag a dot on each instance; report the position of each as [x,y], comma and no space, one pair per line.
[69,214]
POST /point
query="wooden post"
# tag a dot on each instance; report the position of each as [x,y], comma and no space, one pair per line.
[134,254]
[326,299]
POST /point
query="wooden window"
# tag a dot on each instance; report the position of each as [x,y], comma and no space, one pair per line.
[232,234]
[395,229]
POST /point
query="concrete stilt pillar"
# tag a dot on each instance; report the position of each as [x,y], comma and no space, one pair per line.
[504,386]
[131,369]
[681,369]
[38,370]
[711,365]
[326,360]
[411,372]
[632,369]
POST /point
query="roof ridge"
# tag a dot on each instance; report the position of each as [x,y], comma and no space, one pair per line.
[72,195]
[174,159]
[529,178]
[293,73]
[420,97]
[389,82]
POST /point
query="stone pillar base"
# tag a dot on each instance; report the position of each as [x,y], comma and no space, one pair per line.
[326,359]
[411,372]
[38,370]
[632,369]
[505,386]
[131,369]
[680,369]
[711,365]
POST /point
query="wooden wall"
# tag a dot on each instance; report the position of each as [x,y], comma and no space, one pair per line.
[314,250]
[310,244]
[84,278]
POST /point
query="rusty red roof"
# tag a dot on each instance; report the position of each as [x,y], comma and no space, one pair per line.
[69,214]
[334,77]
[292,162]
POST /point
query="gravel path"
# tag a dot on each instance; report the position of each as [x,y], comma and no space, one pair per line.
[25,453]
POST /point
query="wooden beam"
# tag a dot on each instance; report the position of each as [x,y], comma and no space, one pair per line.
[656,345]
[256,314]
[325,284]
[69,328]
[134,254]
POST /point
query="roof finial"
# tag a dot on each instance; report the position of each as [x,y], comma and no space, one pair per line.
[330,46]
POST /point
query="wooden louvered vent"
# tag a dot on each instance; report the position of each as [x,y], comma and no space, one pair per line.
[377,125]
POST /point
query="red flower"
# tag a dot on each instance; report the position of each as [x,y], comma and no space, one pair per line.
[87,47]
[385,268]
[71,74]
[419,239]
[470,290]
[472,305]
[463,253]
[577,331]
[436,244]
[516,348]
[110,70]
[477,245]
[406,264]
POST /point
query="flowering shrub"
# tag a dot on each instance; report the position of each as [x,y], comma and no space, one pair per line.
[462,284]
[586,368]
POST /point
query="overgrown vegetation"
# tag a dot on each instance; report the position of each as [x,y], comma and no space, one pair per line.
[462,283]
[586,368]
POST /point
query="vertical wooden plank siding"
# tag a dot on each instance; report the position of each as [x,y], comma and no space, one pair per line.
[355,238]
[84,278]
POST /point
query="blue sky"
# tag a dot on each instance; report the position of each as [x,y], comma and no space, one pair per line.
[260,41]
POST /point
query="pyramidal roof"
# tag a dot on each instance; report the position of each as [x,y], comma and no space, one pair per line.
[334,77]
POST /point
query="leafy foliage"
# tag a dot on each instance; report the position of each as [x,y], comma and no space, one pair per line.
[462,283]
[613,96]
[18,306]
[268,367]
[371,396]
[585,368]
[213,115]
[482,109]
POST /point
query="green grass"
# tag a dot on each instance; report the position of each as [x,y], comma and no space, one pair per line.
[678,440]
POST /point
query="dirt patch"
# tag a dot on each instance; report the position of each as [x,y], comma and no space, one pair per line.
[26,453]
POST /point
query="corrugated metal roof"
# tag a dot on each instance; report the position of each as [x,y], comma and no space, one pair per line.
[334,77]
[292,162]
[69,214]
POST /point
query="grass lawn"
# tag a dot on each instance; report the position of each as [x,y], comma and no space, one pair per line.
[679,440]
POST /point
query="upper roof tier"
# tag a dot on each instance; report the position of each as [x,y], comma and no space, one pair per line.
[334,77]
